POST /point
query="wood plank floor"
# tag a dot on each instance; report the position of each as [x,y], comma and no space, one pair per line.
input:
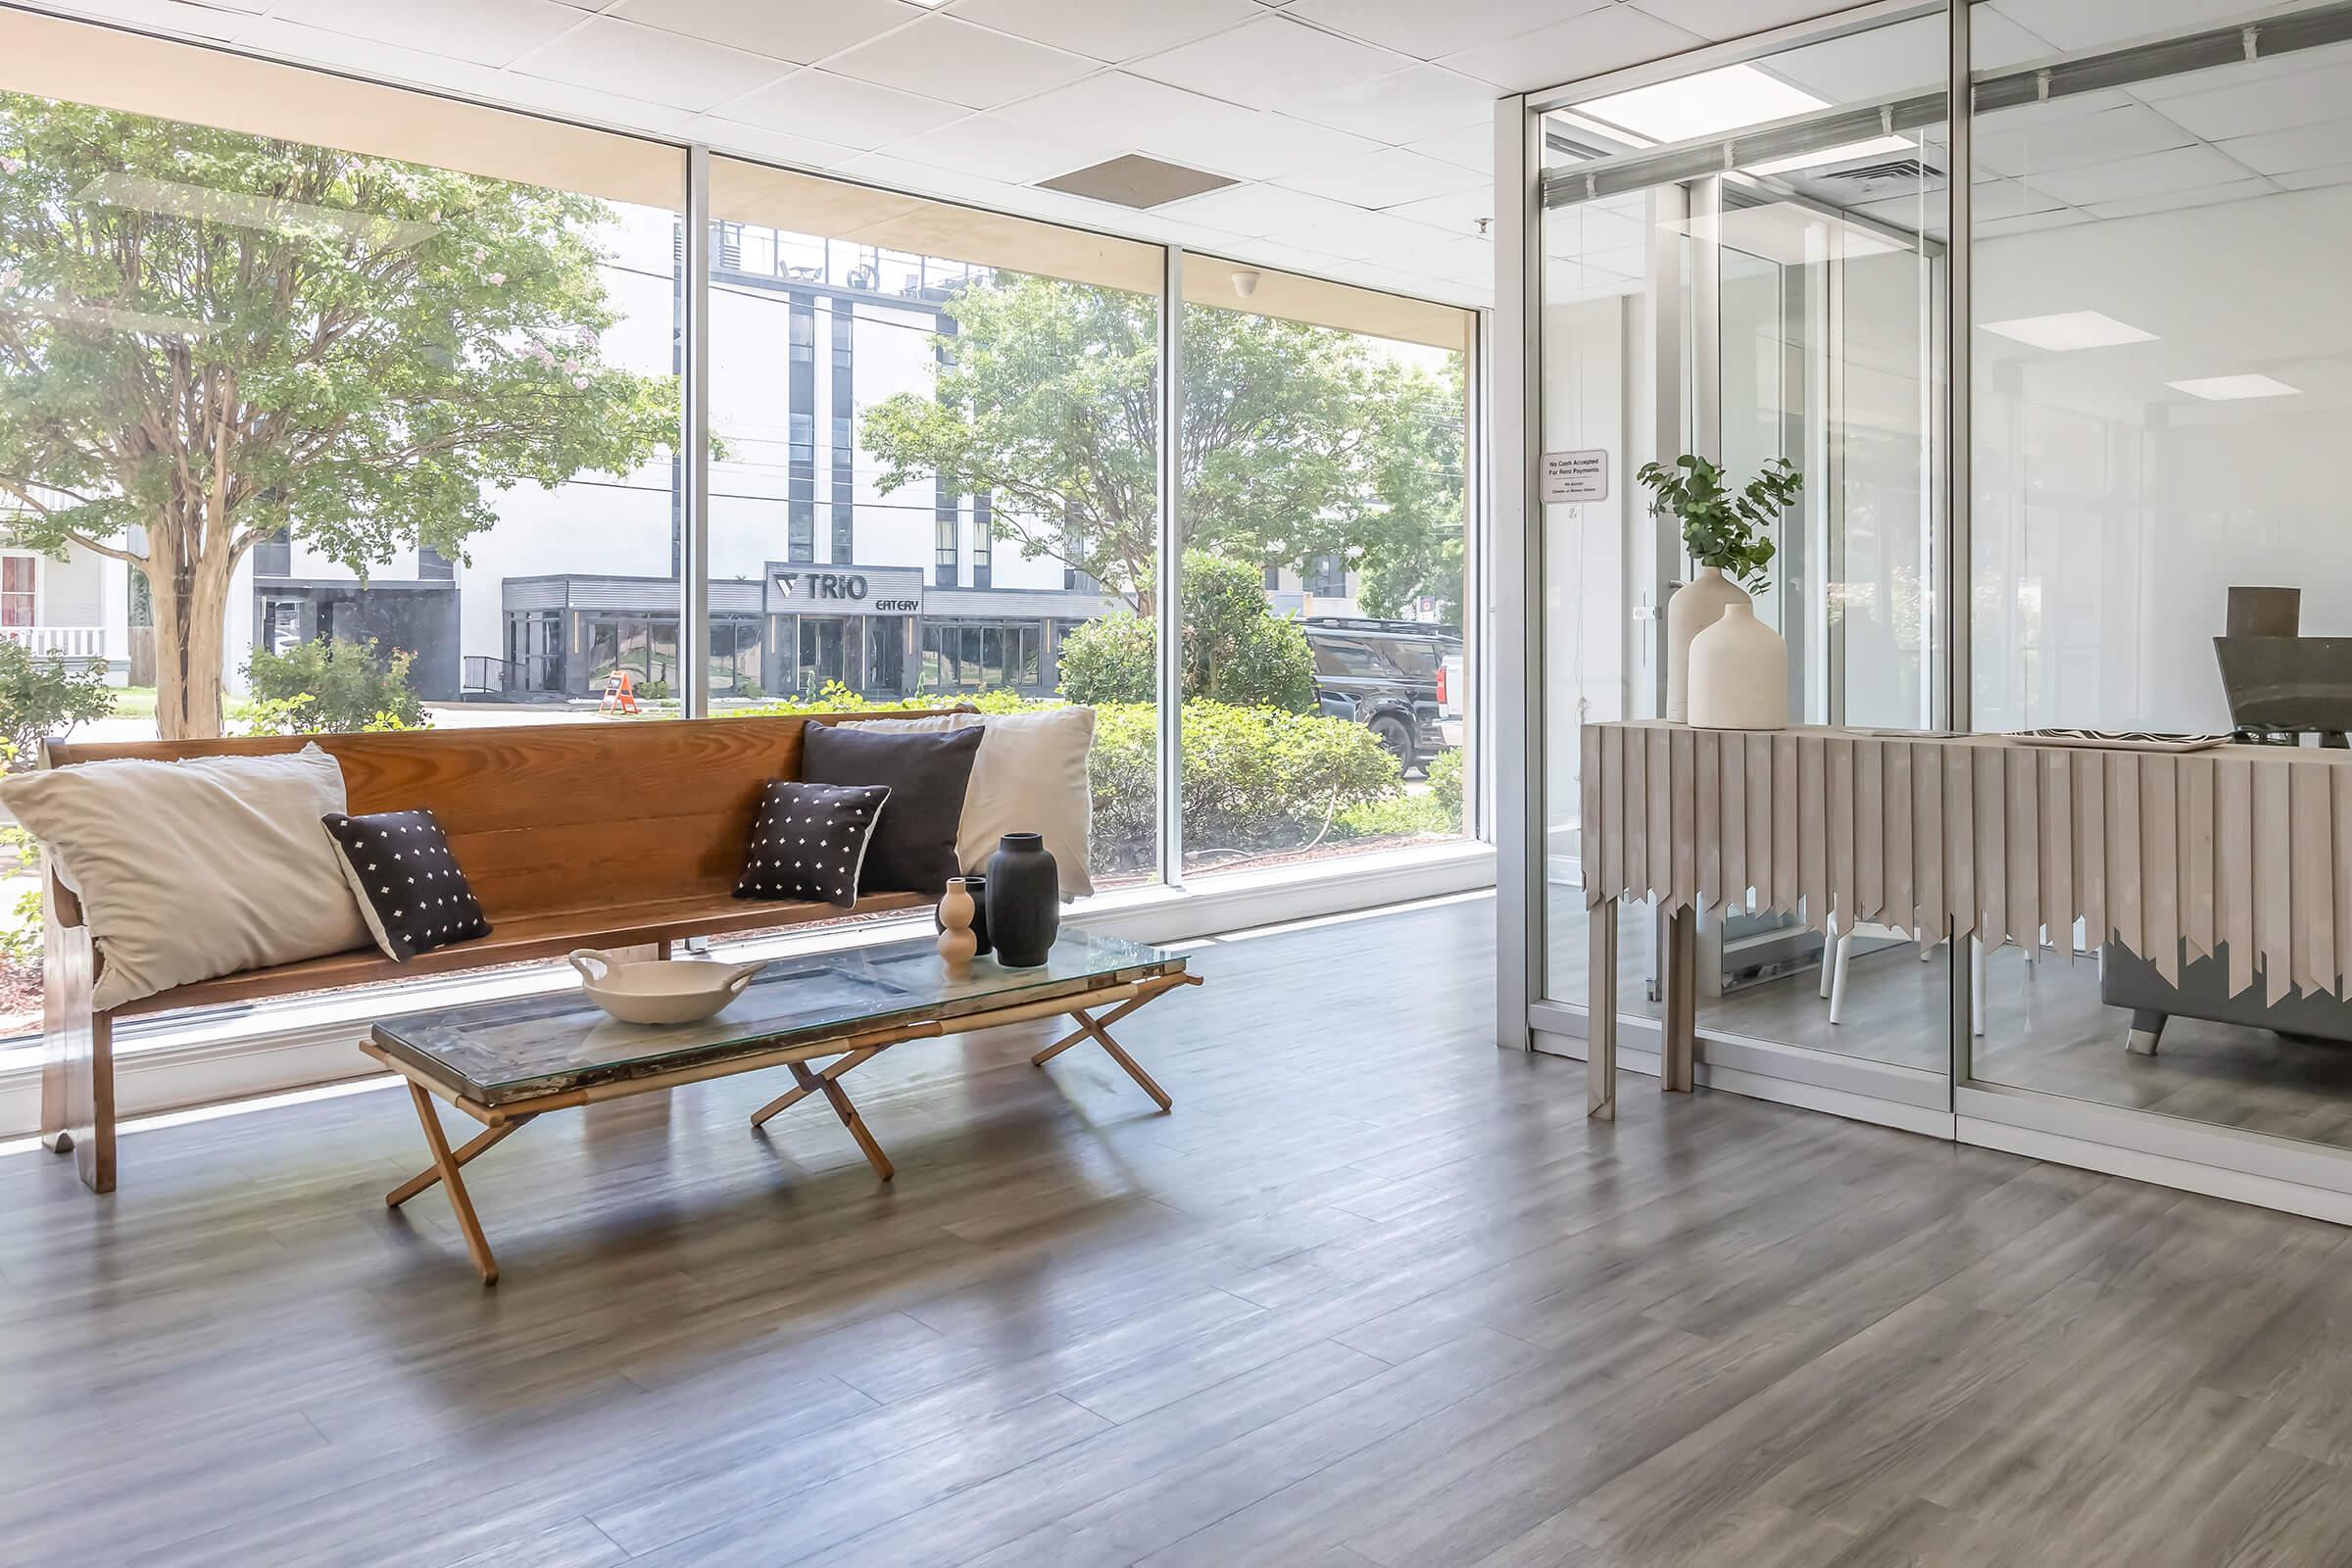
[1376,1292]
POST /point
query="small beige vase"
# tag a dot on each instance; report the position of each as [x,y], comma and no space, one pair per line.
[1739,672]
[1695,607]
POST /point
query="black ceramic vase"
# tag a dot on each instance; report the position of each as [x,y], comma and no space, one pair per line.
[1024,901]
[977,887]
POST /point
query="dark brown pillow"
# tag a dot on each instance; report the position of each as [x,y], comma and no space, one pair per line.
[914,847]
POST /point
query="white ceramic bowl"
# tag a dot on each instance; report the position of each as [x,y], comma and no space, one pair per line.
[661,990]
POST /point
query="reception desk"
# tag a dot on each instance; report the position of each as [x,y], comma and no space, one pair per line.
[2245,850]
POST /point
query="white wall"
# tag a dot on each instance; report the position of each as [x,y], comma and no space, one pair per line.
[2112,512]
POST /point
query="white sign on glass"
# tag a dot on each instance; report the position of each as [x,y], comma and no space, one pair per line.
[1576,477]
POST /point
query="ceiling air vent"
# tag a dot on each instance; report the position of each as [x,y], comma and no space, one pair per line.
[1907,170]
[1135,180]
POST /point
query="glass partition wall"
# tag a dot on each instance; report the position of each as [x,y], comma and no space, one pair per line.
[443,360]
[1762,250]
[1740,264]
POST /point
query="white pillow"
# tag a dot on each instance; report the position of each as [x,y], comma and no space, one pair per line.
[1029,776]
[189,871]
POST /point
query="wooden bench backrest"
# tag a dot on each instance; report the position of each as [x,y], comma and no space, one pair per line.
[549,819]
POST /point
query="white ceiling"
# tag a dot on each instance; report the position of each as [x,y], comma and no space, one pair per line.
[1361,130]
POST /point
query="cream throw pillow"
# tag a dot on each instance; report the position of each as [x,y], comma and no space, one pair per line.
[1029,777]
[193,869]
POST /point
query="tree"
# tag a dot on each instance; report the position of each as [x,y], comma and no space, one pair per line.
[1298,441]
[1234,651]
[208,338]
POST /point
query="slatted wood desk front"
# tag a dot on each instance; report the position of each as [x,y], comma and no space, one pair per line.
[2247,846]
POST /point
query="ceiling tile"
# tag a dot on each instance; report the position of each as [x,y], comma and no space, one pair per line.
[776,146]
[2152,174]
[2169,200]
[942,58]
[574,102]
[2248,105]
[1402,105]
[2287,152]
[1570,51]
[1001,149]
[1185,127]
[1459,212]
[343,52]
[1383,178]
[819,105]
[2314,179]
[488,33]
[1109,29]
[2093,23]
[1425,30]
[1903,57]
[1271,62]
[1254,210]
[169,17]
[805,33]
[1472,146]
[1356,233]
[2015,143]
[640,62]
[1733,19]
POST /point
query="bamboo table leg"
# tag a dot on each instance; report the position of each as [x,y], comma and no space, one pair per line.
[1677,967]
[792,1096]
[1600,1010]
[848,1113]
[483,1140]
[1097,1030]
[477,1245]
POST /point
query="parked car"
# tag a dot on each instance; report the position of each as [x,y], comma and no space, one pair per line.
[1403,678]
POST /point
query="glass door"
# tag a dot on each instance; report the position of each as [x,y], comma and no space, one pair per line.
[1740,264]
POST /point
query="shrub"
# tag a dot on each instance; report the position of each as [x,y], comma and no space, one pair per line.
[1254,779]
[1235,651]
[1445,775]
[332,687]
[44,697]
[1109,659]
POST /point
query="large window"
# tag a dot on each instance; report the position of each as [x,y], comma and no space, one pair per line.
[989,392]
[431,360]
[1326,702]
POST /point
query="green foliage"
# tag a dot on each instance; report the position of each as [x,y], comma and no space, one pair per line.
[1111,659]
[1254,780]
[44,697]
[1445,775]
[1235,651]
[1724,527]
[1298,441]
[360,351]
[332,687]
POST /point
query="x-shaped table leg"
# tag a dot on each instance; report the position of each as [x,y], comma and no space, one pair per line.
[823,1083]
[1097,1030]
[444,1170]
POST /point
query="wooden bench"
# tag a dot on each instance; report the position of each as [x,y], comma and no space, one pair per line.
[610,834]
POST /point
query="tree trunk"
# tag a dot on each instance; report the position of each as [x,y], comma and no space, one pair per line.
[189,644]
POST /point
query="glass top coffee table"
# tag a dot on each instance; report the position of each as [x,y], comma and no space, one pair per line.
[503,1063]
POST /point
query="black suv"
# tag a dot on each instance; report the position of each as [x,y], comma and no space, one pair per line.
[1396,677]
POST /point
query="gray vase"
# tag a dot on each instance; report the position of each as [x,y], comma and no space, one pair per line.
[1024,901]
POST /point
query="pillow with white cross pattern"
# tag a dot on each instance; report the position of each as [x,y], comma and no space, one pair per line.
[809,841]
[412,892]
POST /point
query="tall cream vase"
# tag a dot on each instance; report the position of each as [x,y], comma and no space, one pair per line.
[1740,672]
[1695,607]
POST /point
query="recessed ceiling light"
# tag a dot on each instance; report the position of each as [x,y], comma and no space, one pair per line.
[1703,105]
[1875,147]
[2225,388]
[2070,329]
